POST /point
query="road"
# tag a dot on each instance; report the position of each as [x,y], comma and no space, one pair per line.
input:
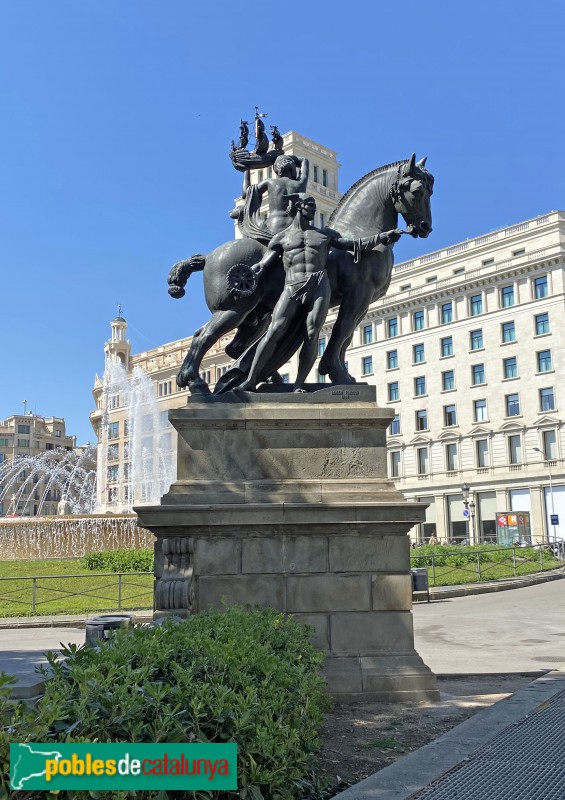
[520,630]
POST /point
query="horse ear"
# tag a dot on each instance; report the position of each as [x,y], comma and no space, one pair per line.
[422,162]
[408,170]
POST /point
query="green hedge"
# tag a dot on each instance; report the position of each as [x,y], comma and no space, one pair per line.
[120,560]
[250,677]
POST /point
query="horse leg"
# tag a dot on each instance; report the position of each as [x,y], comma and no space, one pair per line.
[222,322]
[352,309]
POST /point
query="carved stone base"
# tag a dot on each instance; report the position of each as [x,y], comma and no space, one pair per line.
[285,503]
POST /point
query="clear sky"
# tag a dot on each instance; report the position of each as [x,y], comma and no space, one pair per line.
[117,120]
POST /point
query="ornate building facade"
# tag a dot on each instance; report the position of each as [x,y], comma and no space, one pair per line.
[466,347]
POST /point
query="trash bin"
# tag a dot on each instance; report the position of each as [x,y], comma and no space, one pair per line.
[105,625]
[420,582]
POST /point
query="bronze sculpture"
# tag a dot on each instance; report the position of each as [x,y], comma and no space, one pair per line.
[372,205]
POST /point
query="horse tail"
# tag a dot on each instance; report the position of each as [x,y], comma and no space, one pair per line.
[181,272]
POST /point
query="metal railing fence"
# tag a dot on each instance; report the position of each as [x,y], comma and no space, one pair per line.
[117,592]
[468,566]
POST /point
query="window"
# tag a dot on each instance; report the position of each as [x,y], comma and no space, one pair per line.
[367,334]
[23,429]
[449,416]
[422,420]
[128,427]
[519,252]
[322,220]
[23,442]
[113,452]
[542,324]
[57,434]
[459,271]
[480,410]
[165,388]
[392,359]
[446,313]
[512,405]
[546,399]
[481,448]
[476,338]
[544,361]
[112,473]
[393,391]
[550,445]
[321,345]
[431,279]
[405,287]
[221,371]
[448,380]
[163,418]
[510,367]
[206,375]
[114,401]
[476,304]
[395,464]
[508,332]
[367,365]
[418,354]
[286,377]
[486,262]
[477,374]
[419,386]
[515,449]
[147,423]
[418,321]
[394,428]
[507,296]
[450,457]
[3,442]
[540,287]
[324,177]
[49,446]
[422,460]
[446,346]
[113,430]
[321,378]
[392,327]
[316,173]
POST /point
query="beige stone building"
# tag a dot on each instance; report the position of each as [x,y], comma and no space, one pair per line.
[22,437]
[467,348]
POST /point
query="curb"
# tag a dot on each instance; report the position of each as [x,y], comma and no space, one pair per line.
[69,621]
[438,592]
[414,772]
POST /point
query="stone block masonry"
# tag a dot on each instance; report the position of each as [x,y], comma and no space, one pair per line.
[283,501]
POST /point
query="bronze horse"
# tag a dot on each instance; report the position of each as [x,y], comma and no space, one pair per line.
[371,205]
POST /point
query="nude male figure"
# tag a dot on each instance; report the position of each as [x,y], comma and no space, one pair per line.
[289,180]
[304,251]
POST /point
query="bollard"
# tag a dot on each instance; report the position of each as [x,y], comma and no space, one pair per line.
[104,626]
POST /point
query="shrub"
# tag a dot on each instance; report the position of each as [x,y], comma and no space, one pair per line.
[120,560]
[250,677]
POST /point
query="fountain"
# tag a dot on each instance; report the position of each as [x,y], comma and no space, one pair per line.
[72,484]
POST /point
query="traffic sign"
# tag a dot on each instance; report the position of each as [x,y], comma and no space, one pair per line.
[466,513]
[555,519]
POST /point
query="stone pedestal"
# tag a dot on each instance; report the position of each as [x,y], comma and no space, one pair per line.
[283,500]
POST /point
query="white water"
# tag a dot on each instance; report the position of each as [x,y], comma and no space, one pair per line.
[151,440]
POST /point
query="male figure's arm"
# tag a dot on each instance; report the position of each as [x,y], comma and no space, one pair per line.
[272,255]
[303,174]
[367,243]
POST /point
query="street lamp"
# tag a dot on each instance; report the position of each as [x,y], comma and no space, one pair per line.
[470,508]
[548,462]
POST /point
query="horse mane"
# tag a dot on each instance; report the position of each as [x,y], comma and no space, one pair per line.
[360,182]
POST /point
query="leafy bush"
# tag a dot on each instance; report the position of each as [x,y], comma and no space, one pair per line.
[120,560]
[250,677]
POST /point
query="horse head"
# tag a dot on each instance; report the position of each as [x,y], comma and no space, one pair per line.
[411,192]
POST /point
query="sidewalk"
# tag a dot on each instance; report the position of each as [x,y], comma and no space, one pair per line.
[514,749]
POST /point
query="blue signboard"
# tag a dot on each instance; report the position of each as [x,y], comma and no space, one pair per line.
[555,519]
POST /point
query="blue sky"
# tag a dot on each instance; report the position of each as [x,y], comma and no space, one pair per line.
[117,119]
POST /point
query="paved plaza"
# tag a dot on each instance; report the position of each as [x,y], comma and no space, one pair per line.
[512,749]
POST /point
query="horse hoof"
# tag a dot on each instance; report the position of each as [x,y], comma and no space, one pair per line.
[198,387]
